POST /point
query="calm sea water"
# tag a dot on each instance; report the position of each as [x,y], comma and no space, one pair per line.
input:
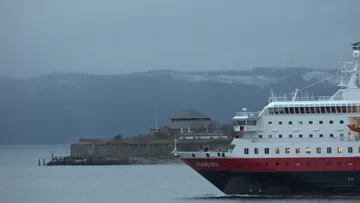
[22,181]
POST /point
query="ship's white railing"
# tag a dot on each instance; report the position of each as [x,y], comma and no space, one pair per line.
[248,114]
[347,67]
[289,99]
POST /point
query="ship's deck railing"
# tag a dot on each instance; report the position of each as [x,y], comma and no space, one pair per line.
[248,114]
[347,67]
[289,99]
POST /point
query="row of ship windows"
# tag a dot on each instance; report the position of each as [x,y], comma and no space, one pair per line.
[297,150]
[310,122]
[288,164]
[301,135]
[314,110]
[253,122]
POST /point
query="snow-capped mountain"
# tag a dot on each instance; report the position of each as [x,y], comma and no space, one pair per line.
[60,108]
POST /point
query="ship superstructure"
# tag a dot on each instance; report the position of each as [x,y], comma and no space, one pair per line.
[295,145]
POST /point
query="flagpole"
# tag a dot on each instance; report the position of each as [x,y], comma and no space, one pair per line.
[156,122]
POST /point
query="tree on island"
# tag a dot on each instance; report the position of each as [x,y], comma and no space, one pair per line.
[211,126]
[201,130]
[118,137]
[160,135]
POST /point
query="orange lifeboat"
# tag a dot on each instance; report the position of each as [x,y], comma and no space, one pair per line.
[354,128]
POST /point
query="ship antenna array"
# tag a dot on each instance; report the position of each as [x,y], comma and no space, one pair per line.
[296,91]
[315,83]
[345,69]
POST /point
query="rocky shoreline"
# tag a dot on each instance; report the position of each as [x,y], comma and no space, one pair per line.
[63,161]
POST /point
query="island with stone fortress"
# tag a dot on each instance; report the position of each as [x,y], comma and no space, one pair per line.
[189,131]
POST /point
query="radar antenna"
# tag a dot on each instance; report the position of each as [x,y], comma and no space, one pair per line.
[356,46]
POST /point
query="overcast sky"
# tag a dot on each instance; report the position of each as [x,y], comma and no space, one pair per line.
[121,36]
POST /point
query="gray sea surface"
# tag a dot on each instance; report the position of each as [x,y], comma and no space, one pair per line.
[22,181]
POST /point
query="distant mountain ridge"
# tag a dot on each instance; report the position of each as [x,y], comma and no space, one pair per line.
[62,107]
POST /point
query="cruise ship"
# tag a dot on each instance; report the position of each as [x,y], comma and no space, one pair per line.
[294,146]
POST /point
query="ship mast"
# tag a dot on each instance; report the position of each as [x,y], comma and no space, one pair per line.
[354,79]
[350,70]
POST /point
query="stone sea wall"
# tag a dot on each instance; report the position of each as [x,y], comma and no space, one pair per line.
[121,150]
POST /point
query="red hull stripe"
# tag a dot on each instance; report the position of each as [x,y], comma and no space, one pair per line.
[274,164]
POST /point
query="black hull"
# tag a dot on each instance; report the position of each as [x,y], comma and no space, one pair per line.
[319,183]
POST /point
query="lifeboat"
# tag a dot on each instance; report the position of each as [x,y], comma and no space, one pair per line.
[240,134]
[354,128]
